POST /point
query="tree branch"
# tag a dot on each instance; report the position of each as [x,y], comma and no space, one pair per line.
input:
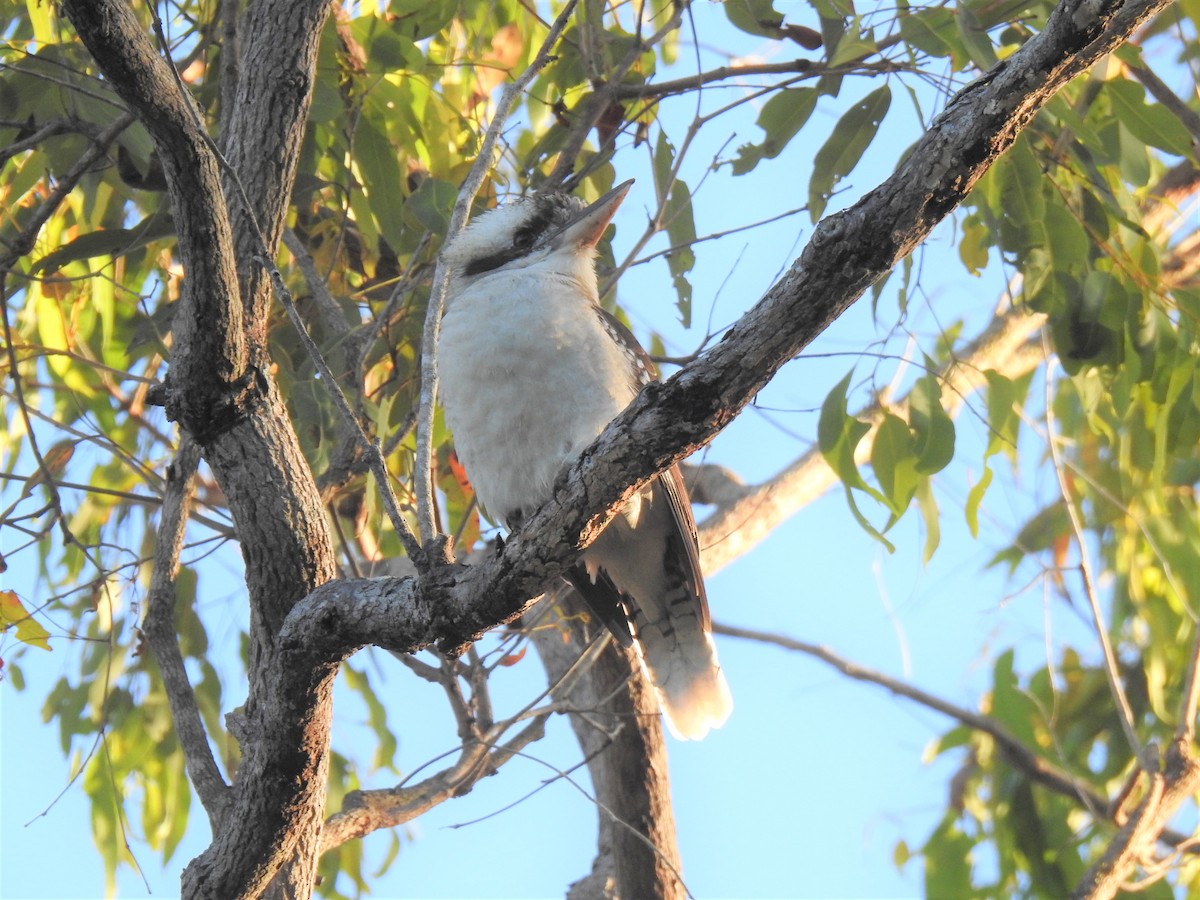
[277,812]
[219,386]
[1020,757]
[1177,781]
[484,160]
[160,633]
[616,720]
[747,516]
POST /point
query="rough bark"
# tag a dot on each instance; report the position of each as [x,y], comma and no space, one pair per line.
[221,392]
[1166,790]
[616,719]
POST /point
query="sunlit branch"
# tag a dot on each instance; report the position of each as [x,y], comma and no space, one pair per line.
[1111,667]
[160,634]
[484,160]
[1016,753]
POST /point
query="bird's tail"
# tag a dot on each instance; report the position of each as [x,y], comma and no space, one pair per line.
[649,558]
[690,686]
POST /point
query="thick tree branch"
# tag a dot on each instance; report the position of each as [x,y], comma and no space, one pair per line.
[219,386]
[277,816]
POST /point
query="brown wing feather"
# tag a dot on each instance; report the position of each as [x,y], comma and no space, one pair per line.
[675,491]
[604,601]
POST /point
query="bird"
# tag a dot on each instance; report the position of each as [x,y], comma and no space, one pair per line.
[532,369]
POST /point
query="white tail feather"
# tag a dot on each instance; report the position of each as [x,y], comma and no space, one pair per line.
[691,690]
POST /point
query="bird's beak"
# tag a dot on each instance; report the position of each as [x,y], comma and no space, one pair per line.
[587,226]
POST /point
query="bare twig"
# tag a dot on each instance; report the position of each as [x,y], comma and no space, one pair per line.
[1111,668]
[1021,757]
[423,467]
[1177,781]
[721,73]
[331,313]
[159,629]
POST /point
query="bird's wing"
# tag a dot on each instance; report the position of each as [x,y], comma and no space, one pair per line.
[604,601]
[641,365]
[675,491]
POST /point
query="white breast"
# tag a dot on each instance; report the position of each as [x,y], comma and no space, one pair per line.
[529,377]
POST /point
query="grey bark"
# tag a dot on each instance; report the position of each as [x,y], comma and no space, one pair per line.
[221,392]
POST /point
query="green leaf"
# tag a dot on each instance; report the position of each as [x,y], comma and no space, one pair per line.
[680,224]
[391,49]
[681,229]
[934,31]
[974,243]
[894,463]
[1133,157]
[781,117]
[838,434]
[757,17]
[1150,123]
[932,427]
[385,750]
[432,203]
[1011,705]
[28,629]
[974,498]
[975,38]
[107,242]
[420,19]
[854,45]
[845,147]
[1030,837]
[927,503]
[379,166]
[948,861]
[1019,180]
[1003,395]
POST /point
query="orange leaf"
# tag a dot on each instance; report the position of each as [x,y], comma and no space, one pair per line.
[513,658]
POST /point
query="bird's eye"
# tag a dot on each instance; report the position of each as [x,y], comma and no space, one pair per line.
[526,236]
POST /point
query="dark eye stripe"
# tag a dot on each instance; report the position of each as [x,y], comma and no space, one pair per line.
[550,211]
[490,262]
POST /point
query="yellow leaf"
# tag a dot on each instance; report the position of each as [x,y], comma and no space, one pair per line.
[29,630]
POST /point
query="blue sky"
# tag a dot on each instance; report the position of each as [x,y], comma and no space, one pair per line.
[814,779]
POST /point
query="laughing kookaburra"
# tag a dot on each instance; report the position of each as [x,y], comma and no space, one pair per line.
[532,369]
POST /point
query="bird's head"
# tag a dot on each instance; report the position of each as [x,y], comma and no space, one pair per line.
[547,228]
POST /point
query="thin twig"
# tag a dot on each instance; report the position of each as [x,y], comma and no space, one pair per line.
[371,447]
[331,313]
[159,628]
[1185,731]
[693,82]
[423,467]
[1111,669]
